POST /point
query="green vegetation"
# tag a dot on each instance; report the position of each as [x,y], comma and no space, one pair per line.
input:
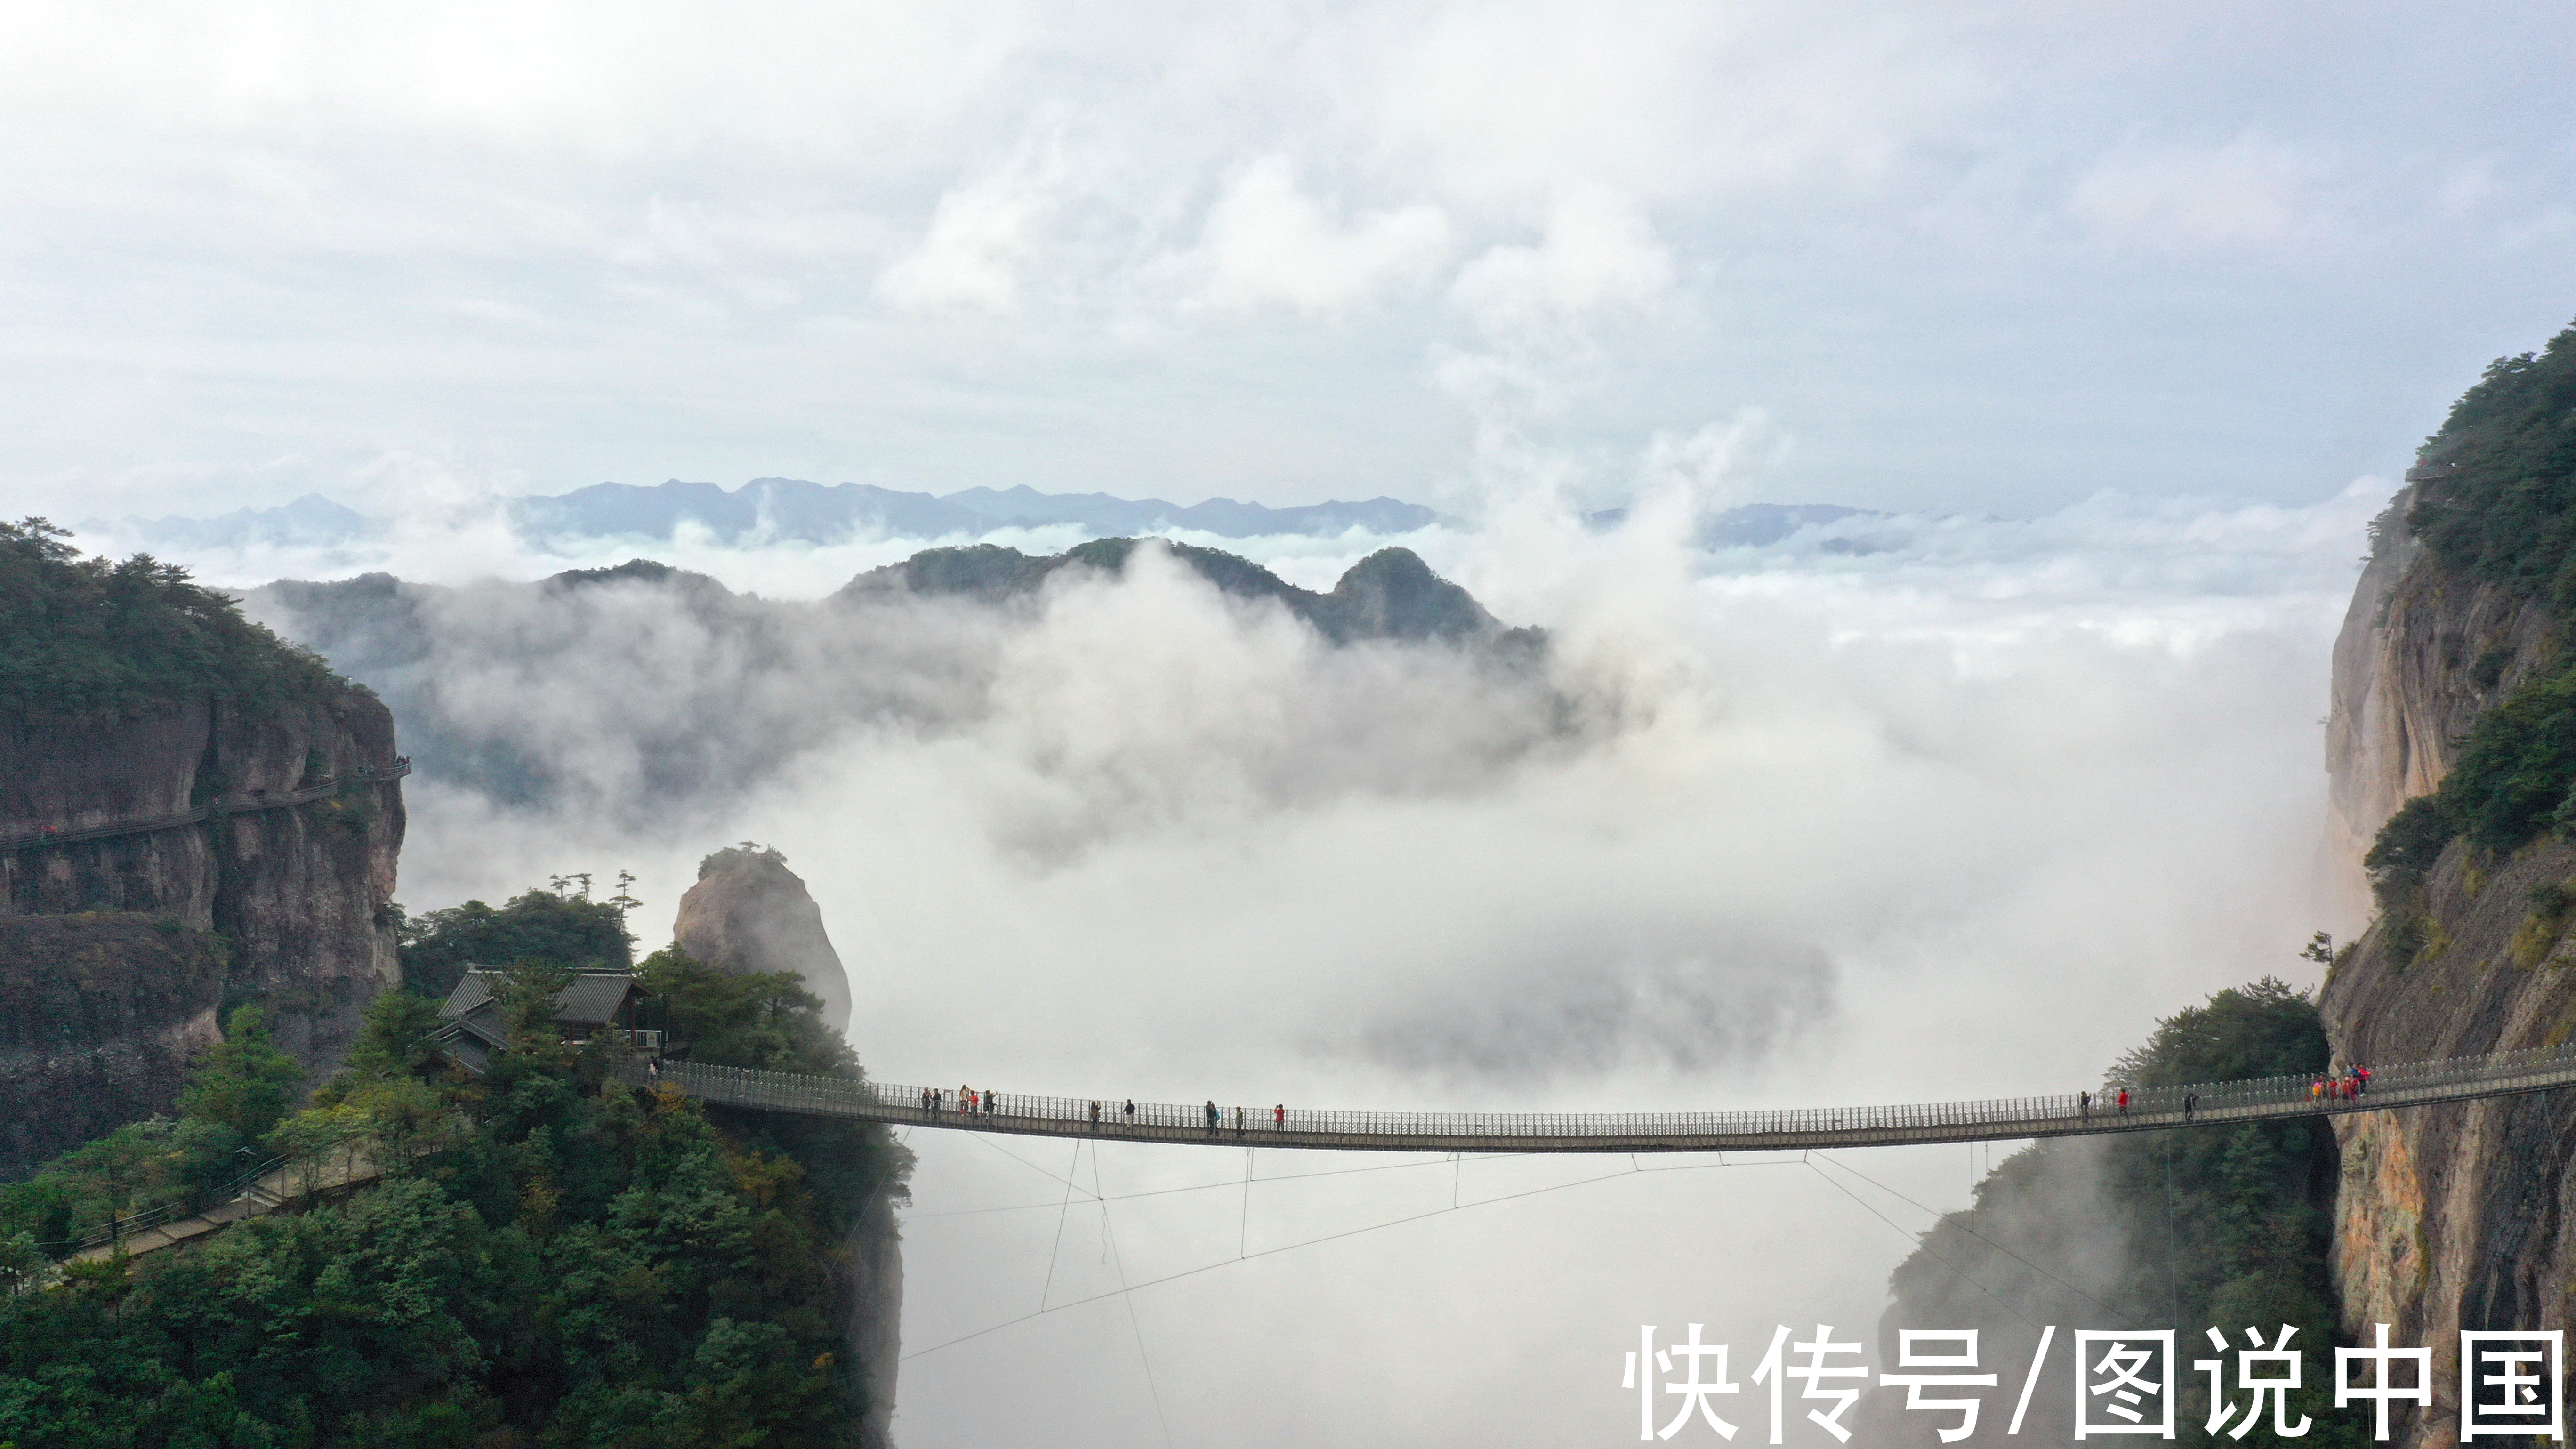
[2500,501]
[2498,504]
[87,641]
[550,1258]
[569,930]
[2225,1226]
[235,1098]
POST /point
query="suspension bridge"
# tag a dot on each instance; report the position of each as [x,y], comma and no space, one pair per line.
[2069,1114]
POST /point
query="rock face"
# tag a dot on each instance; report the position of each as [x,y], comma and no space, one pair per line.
[99,1013]
[874,1252]
[749,912]
[284,906]
[2422,652]
[2463,1215]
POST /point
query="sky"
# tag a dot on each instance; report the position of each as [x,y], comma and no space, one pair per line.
[1993,258]
[2133,314]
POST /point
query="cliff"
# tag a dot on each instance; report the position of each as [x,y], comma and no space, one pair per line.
[2449,745]
[750,913]
[99,1014]
[2424,649]
[130,694]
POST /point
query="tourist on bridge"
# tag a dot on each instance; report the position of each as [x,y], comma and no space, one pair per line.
[2124,1101]
[2189,1101]
[992,1103]
[1211,1114]
[2361,1079]
[1131,1111]
[2084,1104]
[1095,1112]
[1238,1121]
[965,1100]
[1279,1117]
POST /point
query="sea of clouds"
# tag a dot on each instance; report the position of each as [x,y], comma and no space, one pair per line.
[1898,809]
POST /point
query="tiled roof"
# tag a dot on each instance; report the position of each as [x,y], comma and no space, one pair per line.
[592,998]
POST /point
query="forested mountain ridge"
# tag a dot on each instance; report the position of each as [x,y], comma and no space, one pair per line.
[2455,679]
[718,689]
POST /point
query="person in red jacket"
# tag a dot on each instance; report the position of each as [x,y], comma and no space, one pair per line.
[2124,1101]
[1279,1116]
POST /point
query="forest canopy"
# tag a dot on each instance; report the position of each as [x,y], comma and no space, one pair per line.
[90,641]
[549,1257]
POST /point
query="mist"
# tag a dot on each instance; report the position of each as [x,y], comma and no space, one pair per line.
[1900,809]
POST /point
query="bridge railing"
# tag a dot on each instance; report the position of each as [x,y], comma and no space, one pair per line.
[896,1102]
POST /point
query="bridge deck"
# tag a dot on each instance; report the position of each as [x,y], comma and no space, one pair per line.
[1999,1119]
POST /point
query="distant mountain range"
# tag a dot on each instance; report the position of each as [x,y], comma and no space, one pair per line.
[475,677]
[311,521]
[794,510]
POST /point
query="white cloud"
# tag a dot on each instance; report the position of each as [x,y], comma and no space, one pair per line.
[1268,241]
[981,237]
[1598,253]
[2248,194]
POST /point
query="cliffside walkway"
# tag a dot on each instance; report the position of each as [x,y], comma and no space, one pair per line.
[2400,1085]
[225,805]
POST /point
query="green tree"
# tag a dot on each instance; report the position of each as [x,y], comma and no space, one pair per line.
[87,641]
[244,1084]
[436,948]
[2212,1225]
[394,1039]
[527,993]
[762,1019]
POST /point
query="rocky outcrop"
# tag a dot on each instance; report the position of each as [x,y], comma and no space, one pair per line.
[99,1014]
[2422,652]
[297,896]
[2463,1215]
[749,912]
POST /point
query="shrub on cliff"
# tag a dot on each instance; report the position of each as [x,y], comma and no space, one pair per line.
[89,641]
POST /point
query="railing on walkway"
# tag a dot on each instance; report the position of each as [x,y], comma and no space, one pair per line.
[230,805]
[2064,1114]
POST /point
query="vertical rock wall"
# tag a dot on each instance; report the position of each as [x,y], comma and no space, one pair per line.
[2463,1215]
[291,902]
